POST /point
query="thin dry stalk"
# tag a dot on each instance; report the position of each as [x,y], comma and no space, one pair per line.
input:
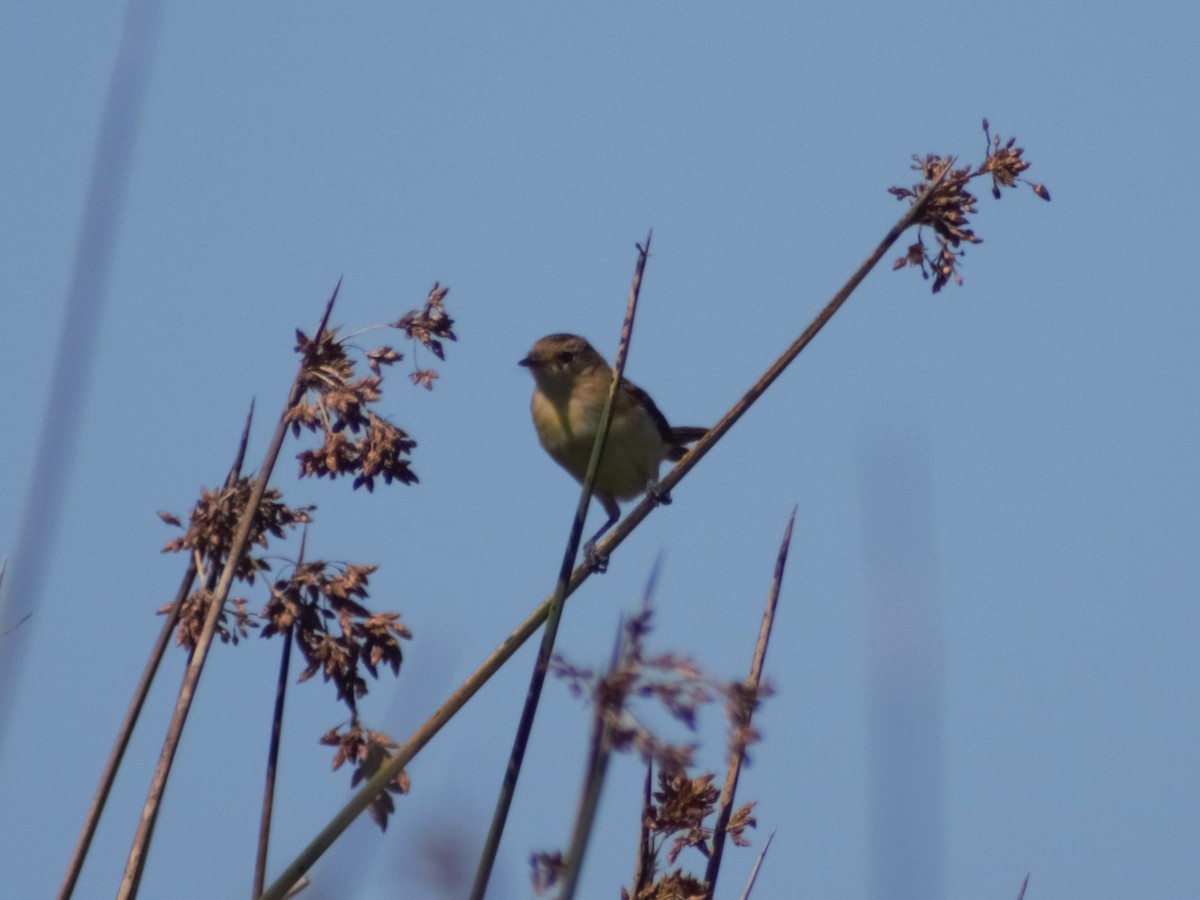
[742,709]
[117,754]
[141,843]
[643,869]
[601,749]
[503,803]
[425,733]
[109,775]
[757,865]
[599,754]
[268,804]
[86,295]
[634,517]
[1024,884]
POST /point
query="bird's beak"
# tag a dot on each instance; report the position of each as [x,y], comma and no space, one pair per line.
[529,363]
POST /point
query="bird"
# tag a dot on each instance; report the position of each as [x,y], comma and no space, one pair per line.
[571,385]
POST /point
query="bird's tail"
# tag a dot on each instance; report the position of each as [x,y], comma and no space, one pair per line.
[683,436]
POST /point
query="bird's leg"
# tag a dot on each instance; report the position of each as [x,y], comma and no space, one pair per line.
[596,563]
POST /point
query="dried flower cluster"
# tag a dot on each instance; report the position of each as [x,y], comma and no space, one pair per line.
[683,805]
[367,750]
[1005,164]
[214,519]
[314,598]
[317,598]
[680,809]
[336,402]
[677,885]
[547,870]
[193,611]
[676,683]
[741,702]
[320,605]
[947,210]
[427,326]
[208,537]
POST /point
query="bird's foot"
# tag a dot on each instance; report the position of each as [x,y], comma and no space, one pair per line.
[596,563]
[657,495]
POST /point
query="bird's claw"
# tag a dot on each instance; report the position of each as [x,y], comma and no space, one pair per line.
[657,495]
[596,563]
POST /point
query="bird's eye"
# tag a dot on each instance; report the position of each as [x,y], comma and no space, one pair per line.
[565,356]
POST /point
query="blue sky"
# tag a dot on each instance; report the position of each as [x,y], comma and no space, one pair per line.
[997,486]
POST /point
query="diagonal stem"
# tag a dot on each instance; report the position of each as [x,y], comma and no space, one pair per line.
[533,696]
[741,716]
[136,862]
[601,750]
[109,775]
[635,516]
[425,733]
[268,804]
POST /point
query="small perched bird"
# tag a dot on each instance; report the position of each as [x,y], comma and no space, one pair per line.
[572,383]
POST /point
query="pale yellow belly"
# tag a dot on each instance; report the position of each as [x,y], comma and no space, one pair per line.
[633,452]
